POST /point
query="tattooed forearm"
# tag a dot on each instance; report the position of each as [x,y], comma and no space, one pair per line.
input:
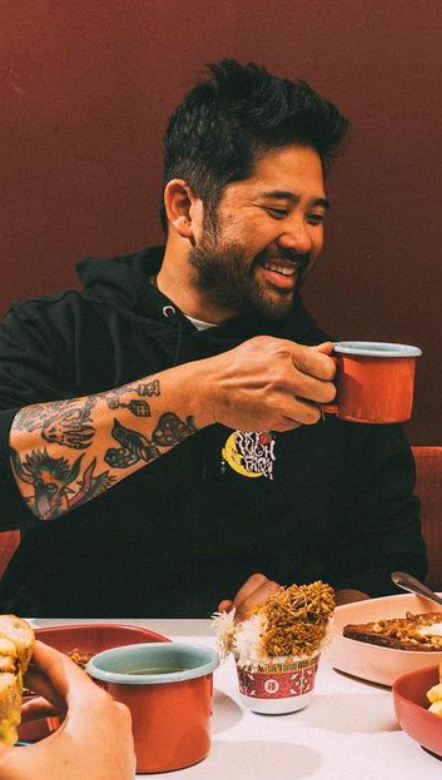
[120,431]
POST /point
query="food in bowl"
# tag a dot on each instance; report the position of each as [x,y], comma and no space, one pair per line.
[377,663]
[421,632]
[80,657]
[434,696]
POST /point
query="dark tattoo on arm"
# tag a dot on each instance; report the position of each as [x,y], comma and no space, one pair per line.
[52,478]
[171,430]
[138,408]
[147,389]
[61,422]
[135,446]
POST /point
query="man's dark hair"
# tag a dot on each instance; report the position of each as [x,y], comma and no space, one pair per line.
[224,123]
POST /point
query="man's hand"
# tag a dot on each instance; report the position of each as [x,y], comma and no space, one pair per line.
[268,384]
[259,588]
[254,592]
[348,596]
[95,739]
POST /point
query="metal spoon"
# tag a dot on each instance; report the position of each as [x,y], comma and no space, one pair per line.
[407,582]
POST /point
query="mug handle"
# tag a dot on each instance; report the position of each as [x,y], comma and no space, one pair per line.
[328,408]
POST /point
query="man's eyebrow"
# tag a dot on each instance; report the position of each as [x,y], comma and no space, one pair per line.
[290,196]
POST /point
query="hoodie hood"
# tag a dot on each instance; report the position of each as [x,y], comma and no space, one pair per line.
[124,282]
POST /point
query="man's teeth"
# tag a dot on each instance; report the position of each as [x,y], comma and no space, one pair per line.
[280,269]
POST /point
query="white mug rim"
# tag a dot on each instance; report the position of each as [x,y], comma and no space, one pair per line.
[378,349]
[96,666]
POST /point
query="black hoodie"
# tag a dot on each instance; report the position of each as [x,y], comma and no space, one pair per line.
[331,501]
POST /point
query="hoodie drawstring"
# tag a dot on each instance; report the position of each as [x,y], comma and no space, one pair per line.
[170,313]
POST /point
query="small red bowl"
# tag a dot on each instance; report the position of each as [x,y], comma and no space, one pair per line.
[411,706]
[89,639]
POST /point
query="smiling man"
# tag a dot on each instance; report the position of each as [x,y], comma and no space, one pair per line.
[251,256]
[163,441]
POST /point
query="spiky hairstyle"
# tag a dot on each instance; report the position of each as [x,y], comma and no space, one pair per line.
[217,133]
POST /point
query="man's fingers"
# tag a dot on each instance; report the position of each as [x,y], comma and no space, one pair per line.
[225,606]
[67,679]
[258,597]
[254,582]
[38,708]
[38,683]
[315,361]
[255,591]
[326,347]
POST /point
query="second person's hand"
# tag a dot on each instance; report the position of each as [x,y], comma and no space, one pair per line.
[95,739]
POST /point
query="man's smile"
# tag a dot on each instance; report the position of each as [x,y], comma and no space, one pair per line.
[282,277]
[282,272]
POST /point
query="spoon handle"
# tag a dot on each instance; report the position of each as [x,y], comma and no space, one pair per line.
[407,582]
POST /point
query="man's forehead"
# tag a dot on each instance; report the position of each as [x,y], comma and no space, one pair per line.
[292,192]
[287,173]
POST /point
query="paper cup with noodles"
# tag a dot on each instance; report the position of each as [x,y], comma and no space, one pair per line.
[278,646]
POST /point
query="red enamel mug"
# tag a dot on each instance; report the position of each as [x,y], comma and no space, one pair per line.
[168,688]
[374,381]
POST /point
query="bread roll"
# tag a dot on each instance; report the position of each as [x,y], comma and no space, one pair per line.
[17,642]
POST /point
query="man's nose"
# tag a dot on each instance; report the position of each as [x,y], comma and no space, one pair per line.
[296,236]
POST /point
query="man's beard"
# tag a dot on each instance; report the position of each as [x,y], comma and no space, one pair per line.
[225,273]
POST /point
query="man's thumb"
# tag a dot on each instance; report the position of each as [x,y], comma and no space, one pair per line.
[326,347]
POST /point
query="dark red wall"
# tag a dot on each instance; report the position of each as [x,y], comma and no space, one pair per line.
[86,87]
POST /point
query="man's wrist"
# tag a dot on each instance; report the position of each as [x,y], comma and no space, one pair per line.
[195,390]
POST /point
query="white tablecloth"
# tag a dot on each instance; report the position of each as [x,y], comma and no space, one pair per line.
[349,731]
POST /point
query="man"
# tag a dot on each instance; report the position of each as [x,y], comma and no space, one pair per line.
[165,430]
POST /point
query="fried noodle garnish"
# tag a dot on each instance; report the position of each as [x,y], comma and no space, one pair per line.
[297,619]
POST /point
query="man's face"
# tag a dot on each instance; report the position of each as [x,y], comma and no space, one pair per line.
[266,235]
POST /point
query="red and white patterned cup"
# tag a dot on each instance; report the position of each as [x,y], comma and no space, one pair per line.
[279,687]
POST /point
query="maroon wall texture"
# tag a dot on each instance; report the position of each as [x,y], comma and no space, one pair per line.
[85,91]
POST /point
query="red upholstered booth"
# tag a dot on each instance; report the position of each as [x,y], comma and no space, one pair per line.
[9,541]
[429,490]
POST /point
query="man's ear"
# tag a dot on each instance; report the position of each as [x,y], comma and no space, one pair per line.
[179,202]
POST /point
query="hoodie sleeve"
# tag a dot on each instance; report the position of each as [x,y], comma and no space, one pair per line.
[33,369]
[381,532]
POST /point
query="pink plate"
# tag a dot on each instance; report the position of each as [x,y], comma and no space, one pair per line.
[411,705]
[371,662]
[89,639]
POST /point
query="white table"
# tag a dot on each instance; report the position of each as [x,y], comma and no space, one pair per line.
[349,731]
